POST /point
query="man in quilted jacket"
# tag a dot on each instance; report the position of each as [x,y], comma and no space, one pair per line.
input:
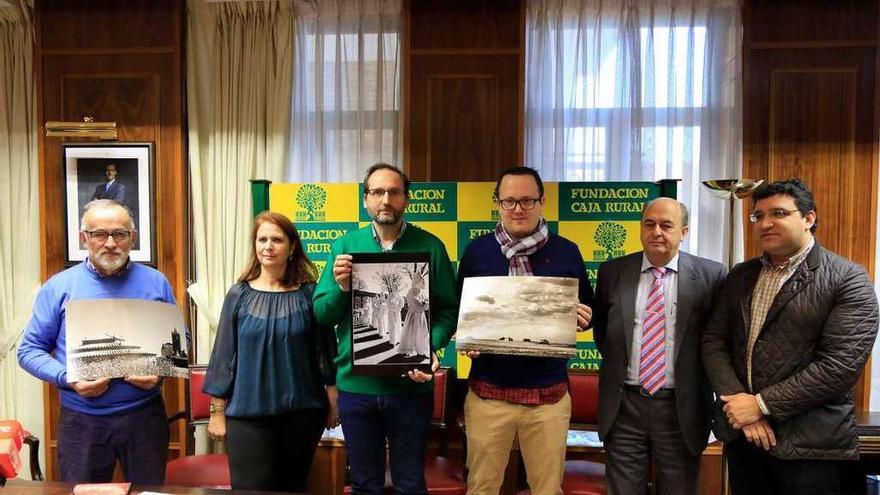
[786,344]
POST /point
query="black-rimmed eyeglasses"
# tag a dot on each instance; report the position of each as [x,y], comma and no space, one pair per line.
[524,203]
[378,192]
[103,235]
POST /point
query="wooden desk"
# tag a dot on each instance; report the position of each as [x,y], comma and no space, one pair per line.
[868,424]
[328,467]
[22,487]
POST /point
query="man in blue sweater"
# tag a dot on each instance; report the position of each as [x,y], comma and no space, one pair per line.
[105,419]
[520,396]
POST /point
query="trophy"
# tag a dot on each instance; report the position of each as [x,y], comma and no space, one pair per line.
[731,189]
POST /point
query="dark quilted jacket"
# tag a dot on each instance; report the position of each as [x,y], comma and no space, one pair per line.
[808,356]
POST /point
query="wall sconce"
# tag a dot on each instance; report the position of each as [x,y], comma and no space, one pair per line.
[88,128]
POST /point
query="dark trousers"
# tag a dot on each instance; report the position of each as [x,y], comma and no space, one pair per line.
[648,427]
[88,446]
[367,421]
[753,471]
[273,453]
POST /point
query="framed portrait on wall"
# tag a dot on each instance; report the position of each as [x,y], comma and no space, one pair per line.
[123,172]
[390,313]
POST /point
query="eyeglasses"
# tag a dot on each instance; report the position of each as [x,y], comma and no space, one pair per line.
[103,235]
[774,214]
[524,203]
[378,192]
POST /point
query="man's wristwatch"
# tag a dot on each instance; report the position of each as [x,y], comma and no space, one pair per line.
[216,408]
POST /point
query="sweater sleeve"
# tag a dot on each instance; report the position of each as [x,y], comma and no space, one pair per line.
[41,338]
[220,375]
[331,304]
[326,347]
[444,298]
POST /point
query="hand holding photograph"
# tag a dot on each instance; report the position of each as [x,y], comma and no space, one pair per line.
[524,316]
[115,338]
[390,313]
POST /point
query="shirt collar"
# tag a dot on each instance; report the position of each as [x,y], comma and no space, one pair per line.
[379,240]
[792,262]
[672,265]
[125,269]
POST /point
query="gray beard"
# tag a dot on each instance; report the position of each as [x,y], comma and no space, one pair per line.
[386,220]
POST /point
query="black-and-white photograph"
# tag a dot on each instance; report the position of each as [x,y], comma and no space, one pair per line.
[122,172]
[391,317]
[120,337]
[525,316]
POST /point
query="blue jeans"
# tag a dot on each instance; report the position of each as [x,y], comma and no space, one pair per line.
[367,421]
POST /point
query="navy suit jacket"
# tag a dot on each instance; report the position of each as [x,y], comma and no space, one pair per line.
[116,192]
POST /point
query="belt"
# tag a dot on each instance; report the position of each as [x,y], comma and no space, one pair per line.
[663,393]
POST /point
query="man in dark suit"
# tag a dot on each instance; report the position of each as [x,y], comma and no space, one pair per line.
[111,189]
[654,398]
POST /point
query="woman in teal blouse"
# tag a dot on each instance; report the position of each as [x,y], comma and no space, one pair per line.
[271,374]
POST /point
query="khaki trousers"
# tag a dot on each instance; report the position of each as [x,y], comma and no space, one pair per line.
[492,426]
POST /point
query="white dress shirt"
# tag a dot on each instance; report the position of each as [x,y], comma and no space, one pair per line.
[670,297]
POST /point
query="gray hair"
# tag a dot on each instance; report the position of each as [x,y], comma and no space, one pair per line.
[101,204]
[685,215]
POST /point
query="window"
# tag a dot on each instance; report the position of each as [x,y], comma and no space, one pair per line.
[346,108]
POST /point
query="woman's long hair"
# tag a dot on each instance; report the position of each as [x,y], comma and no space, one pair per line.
[300,270]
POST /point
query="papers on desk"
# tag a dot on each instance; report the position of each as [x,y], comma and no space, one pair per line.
[101,489]
[579,438]
[335,433]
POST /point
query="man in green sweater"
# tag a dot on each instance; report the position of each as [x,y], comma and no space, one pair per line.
[373,409]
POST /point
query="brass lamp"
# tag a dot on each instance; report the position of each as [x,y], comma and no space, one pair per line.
[88,128]
[731,189]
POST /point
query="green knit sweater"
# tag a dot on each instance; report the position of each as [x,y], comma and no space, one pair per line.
[333,306]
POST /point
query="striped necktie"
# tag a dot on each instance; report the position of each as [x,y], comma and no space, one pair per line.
[652,359]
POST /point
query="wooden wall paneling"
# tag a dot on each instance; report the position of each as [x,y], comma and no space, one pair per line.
[462,125]
[812,122]
[463,92]
[134,26]
[810,111]
[811,115]
[463,117]
[468,25]
[798,23]
[116,61]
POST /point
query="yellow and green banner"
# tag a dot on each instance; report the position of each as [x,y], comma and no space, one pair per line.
[601,217]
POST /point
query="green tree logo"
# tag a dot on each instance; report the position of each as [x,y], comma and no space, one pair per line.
[611,236]
[311,198]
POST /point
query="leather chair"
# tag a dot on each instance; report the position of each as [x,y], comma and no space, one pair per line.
[444,475]
[13,431]
[584,475]
[199,471]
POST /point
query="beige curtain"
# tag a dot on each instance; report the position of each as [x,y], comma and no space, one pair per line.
[19,214]
[239,70]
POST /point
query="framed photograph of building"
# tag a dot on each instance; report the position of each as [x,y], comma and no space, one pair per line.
[390,313]
[526,316]
[123,172]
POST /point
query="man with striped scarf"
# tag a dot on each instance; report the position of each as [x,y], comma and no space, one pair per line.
[520,396]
